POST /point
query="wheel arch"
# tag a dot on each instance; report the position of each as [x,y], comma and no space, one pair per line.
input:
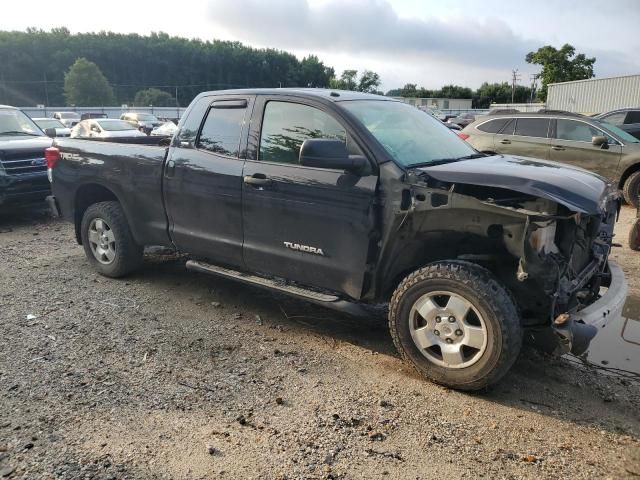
[631,169]
[86,195]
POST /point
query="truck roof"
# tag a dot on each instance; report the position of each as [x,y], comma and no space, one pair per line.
[325,93]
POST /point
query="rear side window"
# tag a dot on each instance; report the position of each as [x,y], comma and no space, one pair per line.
[532,127]
[493,126]
[221,131]
[633,117]
[616,118]
[285,126]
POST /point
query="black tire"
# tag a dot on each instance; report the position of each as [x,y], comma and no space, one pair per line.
[127,254]
[631,189]
[634,236]
[492,301]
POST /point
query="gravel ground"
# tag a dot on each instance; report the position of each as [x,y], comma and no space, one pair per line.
[172,374]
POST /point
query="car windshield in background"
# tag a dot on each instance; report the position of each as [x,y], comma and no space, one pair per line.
[409,136]
[626,137]
[146,117]
[14,122]
[115,125]
[69,115]
[49,123]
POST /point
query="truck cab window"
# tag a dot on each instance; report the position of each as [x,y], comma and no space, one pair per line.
[221,131]
[285,126]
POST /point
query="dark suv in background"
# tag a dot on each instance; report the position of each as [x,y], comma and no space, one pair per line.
[628,119]
[23,167]
[574,139]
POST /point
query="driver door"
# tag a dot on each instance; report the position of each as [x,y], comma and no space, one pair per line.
[571,143]
[306,224]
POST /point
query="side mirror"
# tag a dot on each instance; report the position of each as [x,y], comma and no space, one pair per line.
[331,154]
[599,141]
[50,132]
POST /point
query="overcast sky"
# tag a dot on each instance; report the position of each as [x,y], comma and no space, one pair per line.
[427,42]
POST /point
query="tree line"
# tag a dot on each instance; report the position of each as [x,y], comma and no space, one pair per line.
[58,68]
[34,64]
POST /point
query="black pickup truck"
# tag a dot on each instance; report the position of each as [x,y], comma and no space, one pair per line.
[23,168]
[346,199]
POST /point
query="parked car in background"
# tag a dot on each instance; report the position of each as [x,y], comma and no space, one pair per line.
[463,119]
[105,128]
[434,112]
[502,111]
[89,116]
[453,126]
[628,119]
[69,119]
[61,129]
[23,166]
[167,129]
[574,139]
[145,122]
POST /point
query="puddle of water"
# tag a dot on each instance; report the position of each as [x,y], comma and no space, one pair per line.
[618,344]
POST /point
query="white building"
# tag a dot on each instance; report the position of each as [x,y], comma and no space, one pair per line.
[596,95]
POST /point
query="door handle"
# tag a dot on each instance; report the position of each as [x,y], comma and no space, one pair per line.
[557,148]
[258,180]
[505,141]
[170,169]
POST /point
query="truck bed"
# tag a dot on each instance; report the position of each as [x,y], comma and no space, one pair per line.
[131,171]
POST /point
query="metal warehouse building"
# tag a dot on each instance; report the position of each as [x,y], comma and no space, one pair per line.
[596,95]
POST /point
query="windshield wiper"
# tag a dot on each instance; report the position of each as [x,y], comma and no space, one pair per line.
[19,132]
[440,161]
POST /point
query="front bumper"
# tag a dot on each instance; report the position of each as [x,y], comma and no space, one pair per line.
[608,307]
[574,332]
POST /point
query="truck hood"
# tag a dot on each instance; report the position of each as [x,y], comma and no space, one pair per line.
[575,188]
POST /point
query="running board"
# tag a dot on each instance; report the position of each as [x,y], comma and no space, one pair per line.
[324,299]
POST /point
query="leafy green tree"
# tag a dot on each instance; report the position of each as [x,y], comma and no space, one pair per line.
[369,82]
[155,97]
[560,65]
[85,85]
[489,93]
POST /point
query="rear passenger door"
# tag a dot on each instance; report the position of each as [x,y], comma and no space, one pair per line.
[572,144]
[526,136]
[203,179]
[311,225]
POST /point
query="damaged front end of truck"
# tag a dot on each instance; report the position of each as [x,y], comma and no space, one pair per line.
[545,233]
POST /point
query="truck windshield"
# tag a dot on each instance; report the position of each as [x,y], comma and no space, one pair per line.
[14,122]
[411,136]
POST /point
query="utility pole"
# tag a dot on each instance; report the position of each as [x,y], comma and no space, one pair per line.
[534,85]
[46,90]
[514,80]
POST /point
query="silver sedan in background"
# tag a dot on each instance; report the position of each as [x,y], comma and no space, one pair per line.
[105,128]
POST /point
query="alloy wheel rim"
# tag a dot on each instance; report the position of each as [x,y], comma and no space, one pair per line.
[102,241]
[447,329]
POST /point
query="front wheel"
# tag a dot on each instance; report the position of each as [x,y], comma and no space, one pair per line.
[108,242]
[456,324]
[631,189]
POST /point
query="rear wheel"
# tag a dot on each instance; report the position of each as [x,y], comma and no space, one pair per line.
[108,242]
[634,236]
[456,324]
[631,189]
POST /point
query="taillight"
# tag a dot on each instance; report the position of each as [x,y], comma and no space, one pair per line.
[51,155]
[463,136]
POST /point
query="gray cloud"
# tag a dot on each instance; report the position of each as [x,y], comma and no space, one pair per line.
[369,27]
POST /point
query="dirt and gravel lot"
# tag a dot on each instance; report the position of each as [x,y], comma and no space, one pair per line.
[172,374]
